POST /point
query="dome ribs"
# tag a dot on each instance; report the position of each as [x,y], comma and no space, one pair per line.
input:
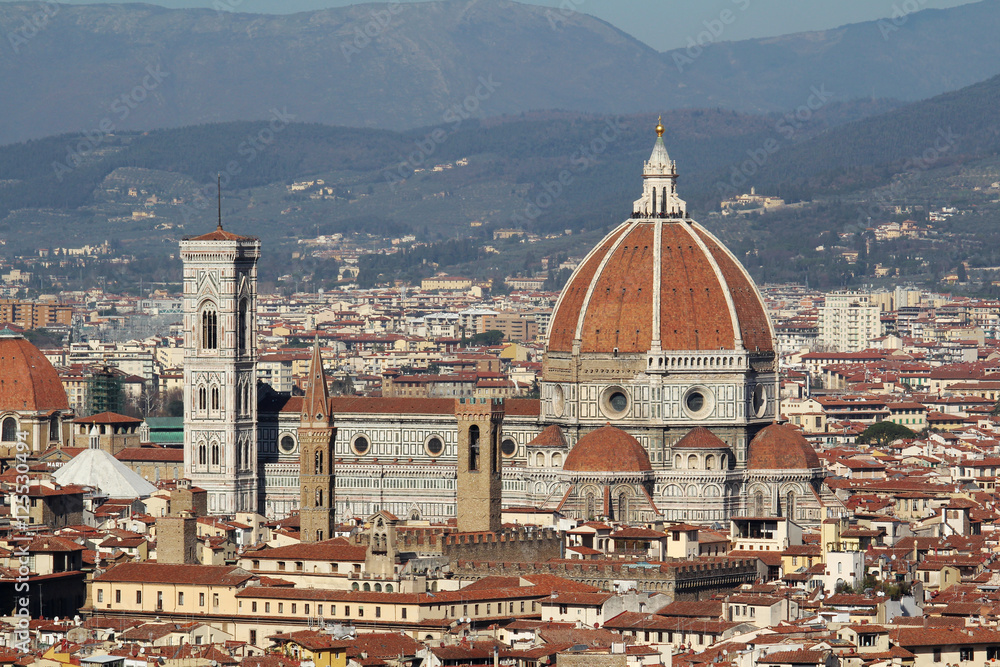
[29,381]
[567,313]
[619,315]
[705,299]
[755,327]
[694,309]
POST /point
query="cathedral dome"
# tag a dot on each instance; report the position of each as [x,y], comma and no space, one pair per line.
[781,447]
[608,449]
[28,381]
[660,284]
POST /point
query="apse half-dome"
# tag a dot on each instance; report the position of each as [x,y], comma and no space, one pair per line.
[781,447]
[606,450]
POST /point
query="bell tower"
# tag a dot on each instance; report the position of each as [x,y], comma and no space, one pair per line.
[220,368]
[316,437]
[479,482]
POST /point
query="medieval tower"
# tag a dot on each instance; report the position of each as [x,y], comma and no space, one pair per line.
[220,368]
[479,483]
[316,438]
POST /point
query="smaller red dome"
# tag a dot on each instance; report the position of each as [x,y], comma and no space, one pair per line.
[28,380]
[700,438]
[781,447]
[608,449]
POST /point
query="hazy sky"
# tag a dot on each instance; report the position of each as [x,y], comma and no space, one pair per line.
[663,24]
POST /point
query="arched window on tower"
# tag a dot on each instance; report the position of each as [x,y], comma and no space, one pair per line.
[692,462]
[710,462]
[54,428]
[591,504]
[215,453]
[215,398]
[319,497]
[473,448]
[202,398]
[319,463]
[790,505]
[9,430]
[209,328]
[202,454]
[243,326]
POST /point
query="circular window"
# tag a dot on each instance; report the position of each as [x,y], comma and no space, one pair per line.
[558,401]
[759,400]
[434,445]
[286,444]
[361,445]
[614,402]
[698,403]
[508,447]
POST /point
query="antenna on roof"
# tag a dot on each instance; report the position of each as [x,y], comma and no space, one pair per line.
[219,177]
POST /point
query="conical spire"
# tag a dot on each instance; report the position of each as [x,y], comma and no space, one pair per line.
[316,406]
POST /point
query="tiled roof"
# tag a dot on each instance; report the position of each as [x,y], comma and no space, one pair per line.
[794,658]
[107,418]
[700,438]
[219,234]
[608,449]
[780,447]
[336,549]
[28,381]
[162,573]
[552,436]
[609,299]
[153,454]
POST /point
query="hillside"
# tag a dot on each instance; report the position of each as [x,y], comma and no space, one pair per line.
[100,68]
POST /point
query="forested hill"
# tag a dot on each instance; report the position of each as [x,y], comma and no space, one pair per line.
[76,68]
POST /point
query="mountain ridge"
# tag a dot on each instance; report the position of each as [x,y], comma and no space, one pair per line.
[403,66]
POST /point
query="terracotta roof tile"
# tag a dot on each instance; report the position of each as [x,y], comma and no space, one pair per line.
[608,449]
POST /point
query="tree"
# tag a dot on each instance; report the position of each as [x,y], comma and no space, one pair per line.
[487,338]
[884,432]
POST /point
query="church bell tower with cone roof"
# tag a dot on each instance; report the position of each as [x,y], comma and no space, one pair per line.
[316,466]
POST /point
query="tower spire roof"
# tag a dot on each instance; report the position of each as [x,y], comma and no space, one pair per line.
[219,184]
[316,406]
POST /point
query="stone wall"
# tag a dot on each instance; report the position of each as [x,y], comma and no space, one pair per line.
[682,580]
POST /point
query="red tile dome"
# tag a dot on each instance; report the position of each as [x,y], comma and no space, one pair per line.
[665,280]
[700,438]
[28,380]
[608,449]
[781,447]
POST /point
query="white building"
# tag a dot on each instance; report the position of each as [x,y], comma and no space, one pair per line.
[849,321]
